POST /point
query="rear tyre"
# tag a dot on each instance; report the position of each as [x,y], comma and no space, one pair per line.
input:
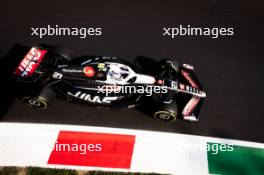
[42,101]
[62,53]
[34,102]
[167,112]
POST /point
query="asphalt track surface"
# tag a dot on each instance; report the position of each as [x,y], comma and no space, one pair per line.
[230,68]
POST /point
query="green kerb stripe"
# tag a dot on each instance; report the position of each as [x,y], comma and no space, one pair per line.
[240,161]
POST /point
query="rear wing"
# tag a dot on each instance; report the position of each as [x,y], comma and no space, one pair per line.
[30,62]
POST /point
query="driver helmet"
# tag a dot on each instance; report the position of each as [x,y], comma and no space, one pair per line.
[114,72]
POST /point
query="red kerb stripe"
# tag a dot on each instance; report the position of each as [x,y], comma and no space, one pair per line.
[107,150]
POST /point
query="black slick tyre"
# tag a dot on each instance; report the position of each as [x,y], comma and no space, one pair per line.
[166,112]
[34,102]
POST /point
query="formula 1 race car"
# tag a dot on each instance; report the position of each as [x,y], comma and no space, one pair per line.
[166,89]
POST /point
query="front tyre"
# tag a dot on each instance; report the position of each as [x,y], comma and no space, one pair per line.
[34,102]
[169,69]
[172,64]
[167,112]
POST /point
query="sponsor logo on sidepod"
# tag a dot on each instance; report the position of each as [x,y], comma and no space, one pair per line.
[93,99]
[88,71]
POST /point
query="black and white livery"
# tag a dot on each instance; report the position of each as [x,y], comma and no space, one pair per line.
[163,89]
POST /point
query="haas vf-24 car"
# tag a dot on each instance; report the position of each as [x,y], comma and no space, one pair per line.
[163,89]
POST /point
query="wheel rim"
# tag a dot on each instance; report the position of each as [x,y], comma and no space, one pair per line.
[164,116]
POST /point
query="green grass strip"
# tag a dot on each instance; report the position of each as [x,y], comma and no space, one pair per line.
[241,160]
